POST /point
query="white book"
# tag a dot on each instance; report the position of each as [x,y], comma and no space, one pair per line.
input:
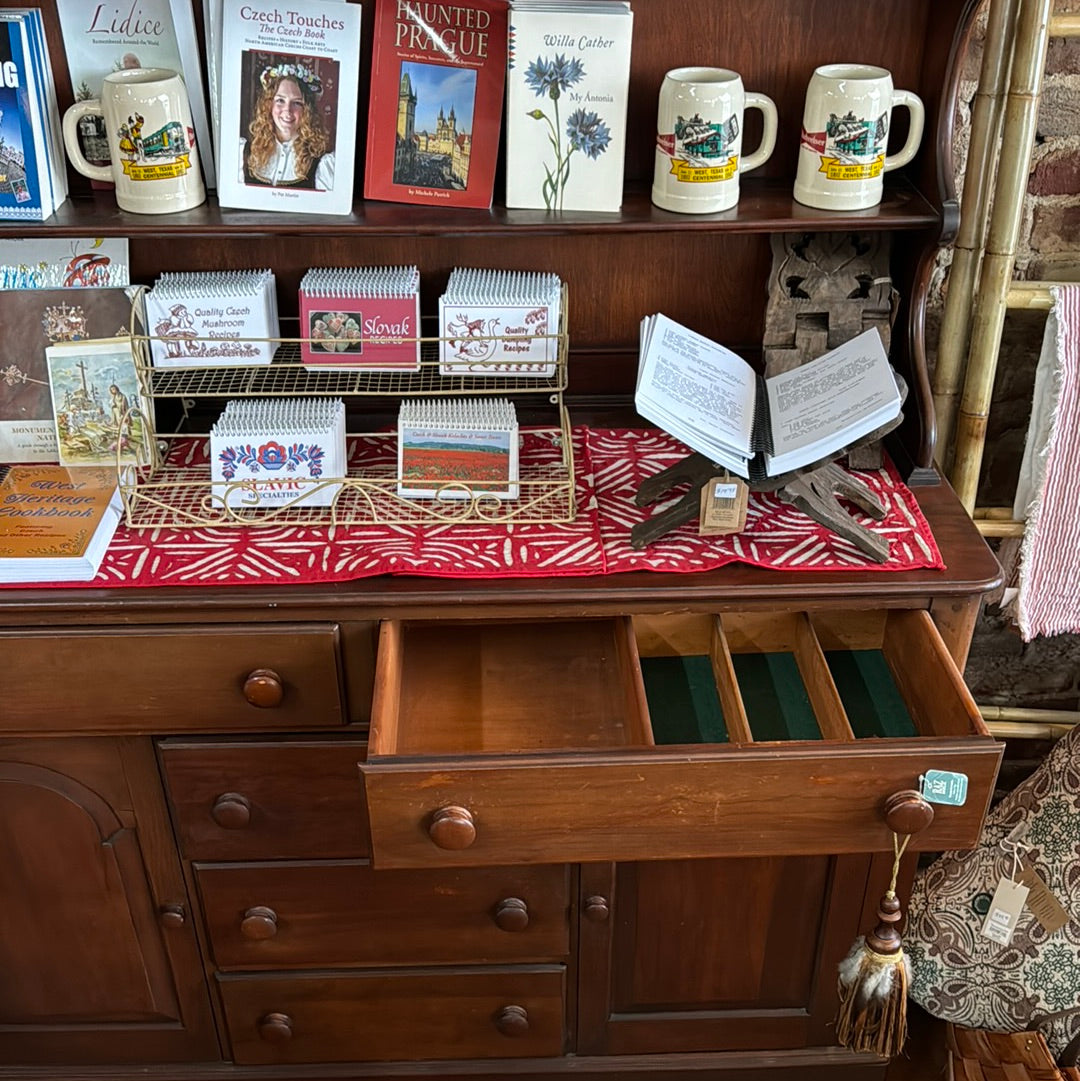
[566,92]
[289,74]
[100,38]
[711,399]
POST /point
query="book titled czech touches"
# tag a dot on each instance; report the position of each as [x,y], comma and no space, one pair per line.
[437,77]
[289,75]
[56,523]
[568,71]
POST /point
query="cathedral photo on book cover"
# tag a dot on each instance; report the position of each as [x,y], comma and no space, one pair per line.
[433,150]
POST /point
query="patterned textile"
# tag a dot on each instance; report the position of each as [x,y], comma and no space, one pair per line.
[1048,494]
[960,975]
[609,466]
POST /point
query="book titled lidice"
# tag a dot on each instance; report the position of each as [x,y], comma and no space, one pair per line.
[500,323]
[361,317]
[271,452]
[457,448]
[714,401]
[56,523]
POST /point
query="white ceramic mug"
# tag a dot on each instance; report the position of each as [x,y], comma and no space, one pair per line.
[699,139]
[845,131]
[155,163]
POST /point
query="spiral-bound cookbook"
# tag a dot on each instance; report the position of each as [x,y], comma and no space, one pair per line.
[361,317]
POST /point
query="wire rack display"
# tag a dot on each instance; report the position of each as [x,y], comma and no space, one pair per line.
[175,488]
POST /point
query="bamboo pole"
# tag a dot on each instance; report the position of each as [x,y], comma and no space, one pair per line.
[970,237]
[997,528]
[1018,137]
[1006,730]
[1066,25]
[1030,296]
[997,514]
[1026,715]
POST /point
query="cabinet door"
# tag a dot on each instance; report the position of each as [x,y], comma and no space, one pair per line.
[97,948]
[714,954]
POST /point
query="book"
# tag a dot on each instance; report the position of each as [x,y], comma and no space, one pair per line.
[271,452]
[101,414]
[34,319]
[500,323]
[712,399]
[457,448]
[566,91]
[31,184]
[361,317]
[56,523]
[100,38]
[289,75]
[63,263]
[212,318]
[437,78]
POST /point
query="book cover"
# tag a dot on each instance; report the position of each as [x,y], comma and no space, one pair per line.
[34,319]
[21,158]
[63,263]
[437,77]
[566,93]
[100,38]
[100,412]
[289,74]
[55,523]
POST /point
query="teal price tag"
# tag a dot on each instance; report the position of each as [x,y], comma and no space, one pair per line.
[941,786]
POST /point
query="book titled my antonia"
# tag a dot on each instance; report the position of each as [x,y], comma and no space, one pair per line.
[568,71]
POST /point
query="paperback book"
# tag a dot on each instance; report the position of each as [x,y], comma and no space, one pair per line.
[437,78]
[712,399]
[101,38]
[566,91]
[361,317]
[500,323]
[56,523]
[63,263]
[102,416]
[33,177]
[271,452]
[212,318]
[457,448]
[289,75]
[34,319]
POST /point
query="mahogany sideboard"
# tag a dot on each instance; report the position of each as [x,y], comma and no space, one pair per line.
[417,827]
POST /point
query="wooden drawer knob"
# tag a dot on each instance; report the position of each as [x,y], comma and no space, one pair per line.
[172,915]
[908,812]
[259,923]
[231,811]
[512,914]
[275,1027]
[263,688]
[597,909]
[512,1021]
[452,828]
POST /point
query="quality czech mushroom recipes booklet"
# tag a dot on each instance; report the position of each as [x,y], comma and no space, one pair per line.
[289,77]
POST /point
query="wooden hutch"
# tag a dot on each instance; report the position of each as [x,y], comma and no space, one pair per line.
[412,827]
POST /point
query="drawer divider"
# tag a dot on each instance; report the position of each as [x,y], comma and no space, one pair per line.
[820,687]
[727,686]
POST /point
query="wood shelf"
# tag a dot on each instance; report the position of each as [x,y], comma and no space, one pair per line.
[766,206]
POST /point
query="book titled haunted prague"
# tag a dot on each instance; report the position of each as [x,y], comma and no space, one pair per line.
[437,77]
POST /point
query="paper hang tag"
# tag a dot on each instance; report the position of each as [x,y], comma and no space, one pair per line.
[1044,905]
[944,786]
[1005,908]
[723,506]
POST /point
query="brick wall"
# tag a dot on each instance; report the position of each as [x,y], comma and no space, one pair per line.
[1045,673]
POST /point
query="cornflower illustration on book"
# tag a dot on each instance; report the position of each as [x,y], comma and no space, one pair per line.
[585,130]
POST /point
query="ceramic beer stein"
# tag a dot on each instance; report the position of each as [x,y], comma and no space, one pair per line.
[155,163]
[699,139]
[845,131]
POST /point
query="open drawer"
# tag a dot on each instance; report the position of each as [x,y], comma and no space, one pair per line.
[666,737]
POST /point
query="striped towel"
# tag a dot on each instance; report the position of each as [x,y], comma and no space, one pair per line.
[1048,494]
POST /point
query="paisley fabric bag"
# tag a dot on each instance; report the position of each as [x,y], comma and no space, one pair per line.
[962,976]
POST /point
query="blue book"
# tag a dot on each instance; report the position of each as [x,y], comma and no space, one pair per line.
[22,150]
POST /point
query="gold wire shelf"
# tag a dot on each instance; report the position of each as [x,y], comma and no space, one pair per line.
[172,493]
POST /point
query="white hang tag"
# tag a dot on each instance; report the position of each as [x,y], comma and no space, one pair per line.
[1005,908]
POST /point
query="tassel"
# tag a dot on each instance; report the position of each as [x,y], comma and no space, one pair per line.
[873,981]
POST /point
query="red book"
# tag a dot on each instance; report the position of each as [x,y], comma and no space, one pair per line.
[437,77]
